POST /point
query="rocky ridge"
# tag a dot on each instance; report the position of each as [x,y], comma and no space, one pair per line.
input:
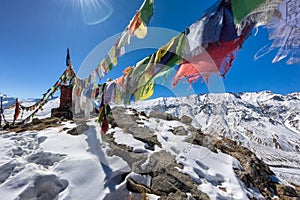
[266,123]
[160,172]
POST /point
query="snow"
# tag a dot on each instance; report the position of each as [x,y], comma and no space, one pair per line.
[78,167]
[266,123]
[84,164]
[128,140]
[212,171]
[79,162]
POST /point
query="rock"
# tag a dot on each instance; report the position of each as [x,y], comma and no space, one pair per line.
[255,172]
[51,121]
[128,122]
[186,120]
[178,195]
[164,116]
[37,124]
[287,192]
[167,179]
[62,113]
[172,181]
[204,140]
[145,135]
[73,131]
[180,130]
[136,187]
[297,188]
[163,185]
[120,118]
[134,160]
[36,121]
[81,127]
[160,162]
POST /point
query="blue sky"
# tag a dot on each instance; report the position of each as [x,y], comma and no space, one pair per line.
[35,34]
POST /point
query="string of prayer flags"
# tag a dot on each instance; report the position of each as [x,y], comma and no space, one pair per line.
[216,25]
[138,27]
[46,96]
[208,46]
[284,30]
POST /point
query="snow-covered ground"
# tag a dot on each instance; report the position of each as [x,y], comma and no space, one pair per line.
[72,167]
[51,164]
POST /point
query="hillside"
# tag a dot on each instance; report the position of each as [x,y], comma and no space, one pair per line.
[266,123]
[194,148]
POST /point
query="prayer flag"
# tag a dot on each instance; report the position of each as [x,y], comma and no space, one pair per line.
[241,8]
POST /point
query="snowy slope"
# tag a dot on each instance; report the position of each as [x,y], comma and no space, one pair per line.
[51,164]
[267,123]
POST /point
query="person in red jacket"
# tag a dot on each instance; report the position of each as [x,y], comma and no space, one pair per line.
[17,111]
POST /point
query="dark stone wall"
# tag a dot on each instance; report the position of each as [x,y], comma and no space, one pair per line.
[66,96]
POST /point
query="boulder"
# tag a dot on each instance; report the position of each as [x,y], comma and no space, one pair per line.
[186,120]
[62,113]
[164,116]
[180,130]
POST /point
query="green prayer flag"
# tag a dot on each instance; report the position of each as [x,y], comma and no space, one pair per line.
[147,11]
[241,8]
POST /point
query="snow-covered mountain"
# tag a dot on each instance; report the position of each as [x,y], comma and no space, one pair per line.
[180,152]
[266,123]
[7,101]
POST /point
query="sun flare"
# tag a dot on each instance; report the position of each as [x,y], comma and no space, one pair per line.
[94,11]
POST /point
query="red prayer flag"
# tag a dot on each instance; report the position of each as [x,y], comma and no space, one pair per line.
[217,59]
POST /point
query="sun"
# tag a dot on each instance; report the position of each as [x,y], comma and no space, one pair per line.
[94,11]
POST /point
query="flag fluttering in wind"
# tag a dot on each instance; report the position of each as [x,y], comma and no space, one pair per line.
[284,30]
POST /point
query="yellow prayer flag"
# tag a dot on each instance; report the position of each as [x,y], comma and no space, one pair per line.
[141,31]
[145,88]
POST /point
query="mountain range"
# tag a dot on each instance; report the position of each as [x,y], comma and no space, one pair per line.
[266,123]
